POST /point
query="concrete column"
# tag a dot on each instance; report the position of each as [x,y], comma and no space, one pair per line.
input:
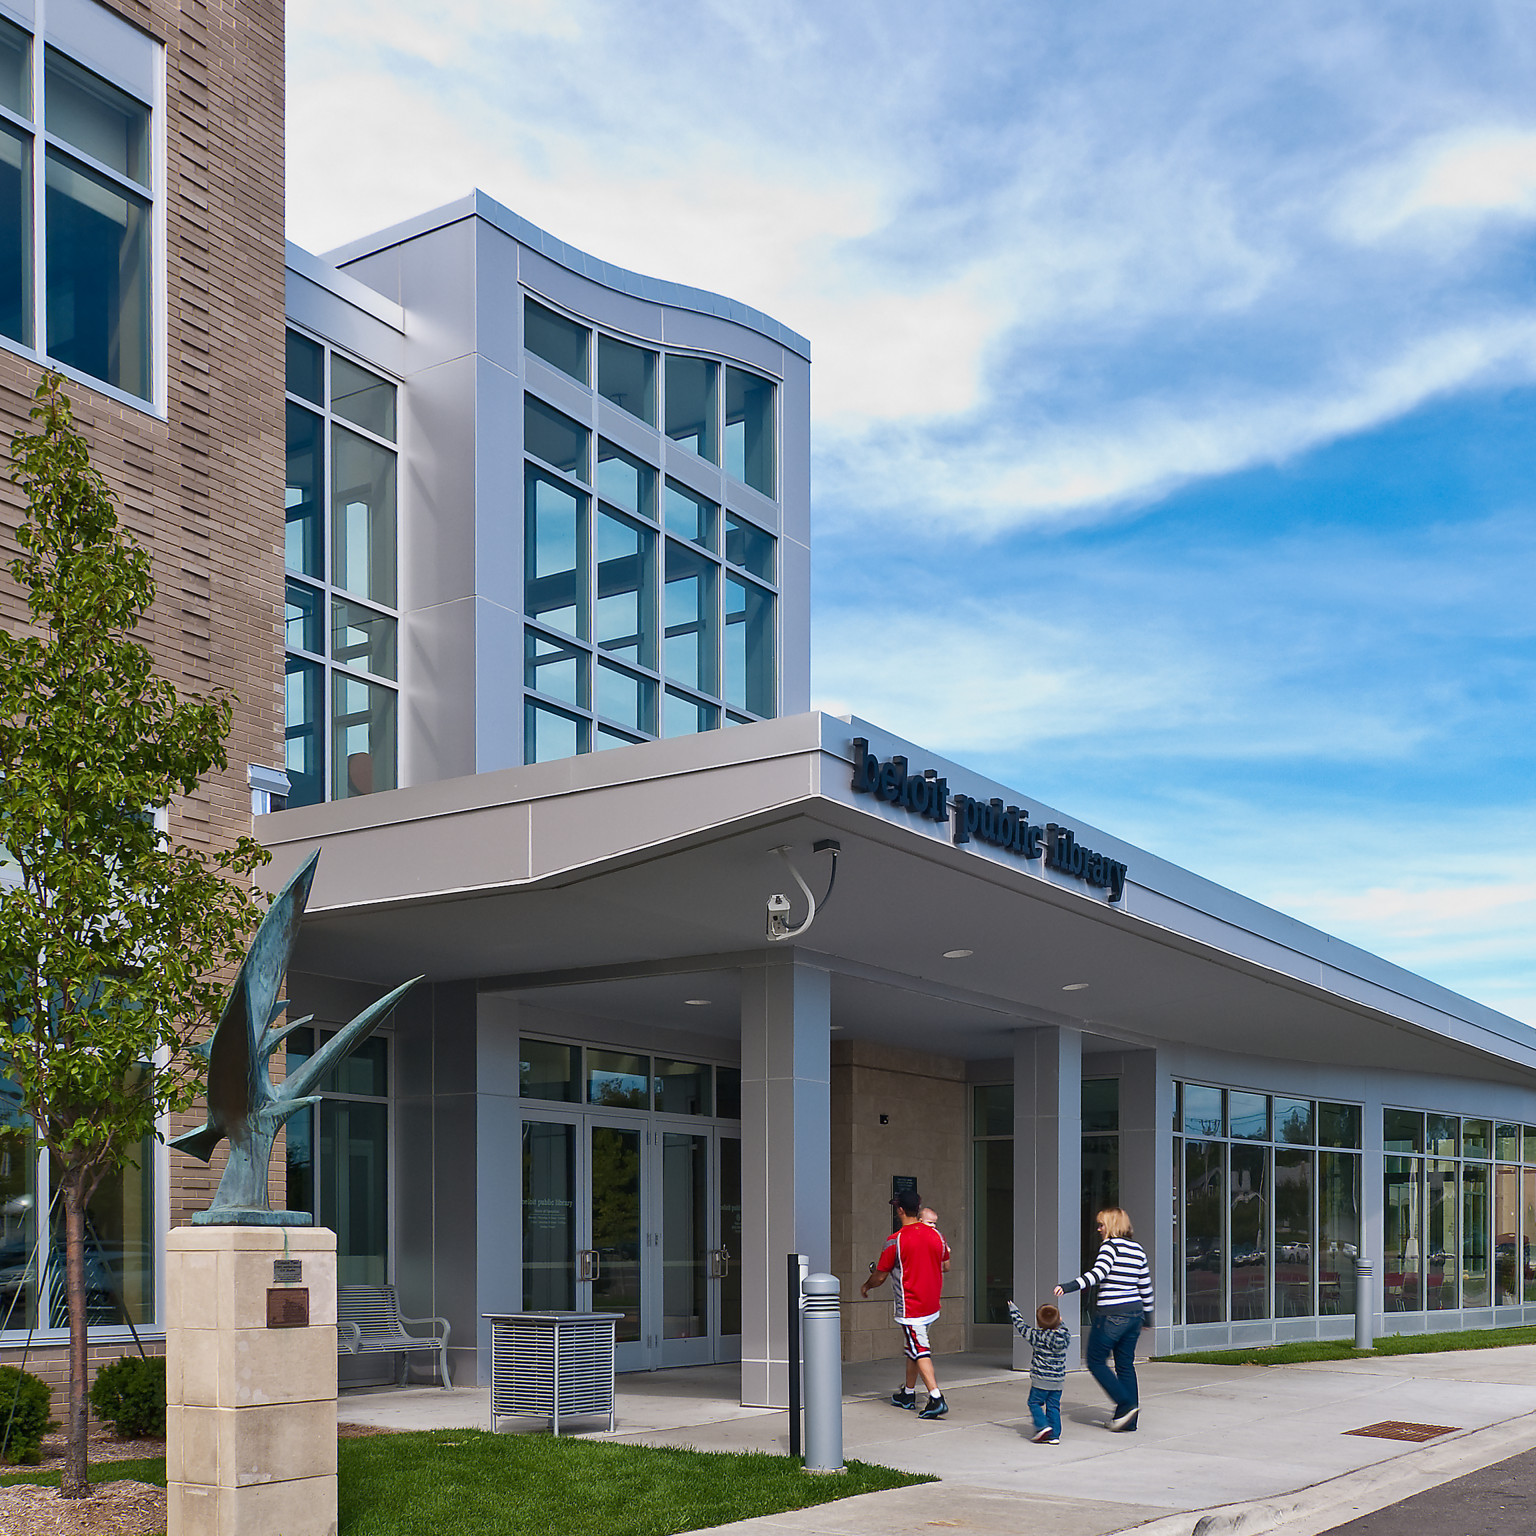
[1146,1169]
[250,1380]
[786,1150]
[1047,1170]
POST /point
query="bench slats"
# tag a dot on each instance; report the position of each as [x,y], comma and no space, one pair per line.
[369,1322]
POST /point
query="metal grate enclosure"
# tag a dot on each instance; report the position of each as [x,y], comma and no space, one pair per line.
[552,1365]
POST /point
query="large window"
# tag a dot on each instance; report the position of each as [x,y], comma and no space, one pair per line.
[77,284]
[651,608]
[1266,1205]
[342,616]
[992,1201]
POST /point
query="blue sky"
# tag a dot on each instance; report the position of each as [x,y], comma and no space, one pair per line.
[1174,382]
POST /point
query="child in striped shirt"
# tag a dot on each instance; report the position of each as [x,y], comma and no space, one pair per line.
[1048,1341]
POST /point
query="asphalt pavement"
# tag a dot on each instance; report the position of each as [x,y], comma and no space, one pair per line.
[1497,1501]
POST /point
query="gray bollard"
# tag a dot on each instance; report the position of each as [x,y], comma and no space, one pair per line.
[823,1375]
[1364,1314]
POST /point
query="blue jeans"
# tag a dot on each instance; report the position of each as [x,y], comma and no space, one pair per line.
[1115,1333]
[1045,1410]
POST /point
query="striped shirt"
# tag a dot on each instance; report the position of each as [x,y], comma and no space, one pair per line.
[1122,1275]
[1047,1351]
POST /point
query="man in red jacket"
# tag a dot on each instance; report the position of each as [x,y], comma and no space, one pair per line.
[916,1255]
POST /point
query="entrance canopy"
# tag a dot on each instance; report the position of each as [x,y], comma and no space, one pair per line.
[636,881]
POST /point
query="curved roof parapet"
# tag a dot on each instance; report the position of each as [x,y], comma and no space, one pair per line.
[653,289]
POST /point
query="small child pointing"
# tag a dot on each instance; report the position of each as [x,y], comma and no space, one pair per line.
[1048,1341]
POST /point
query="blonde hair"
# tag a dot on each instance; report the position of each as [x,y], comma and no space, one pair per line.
[1116,1222]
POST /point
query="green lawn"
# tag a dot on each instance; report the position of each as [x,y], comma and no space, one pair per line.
[1341,1349]
[474,1483]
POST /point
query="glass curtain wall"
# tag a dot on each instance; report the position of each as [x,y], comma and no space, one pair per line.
[342,587]
[651,608]
[1266,1205]
[991,1201]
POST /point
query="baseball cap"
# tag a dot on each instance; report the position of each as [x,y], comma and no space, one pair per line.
[908,1202]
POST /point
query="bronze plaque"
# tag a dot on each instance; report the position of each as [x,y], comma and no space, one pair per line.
[288,1308]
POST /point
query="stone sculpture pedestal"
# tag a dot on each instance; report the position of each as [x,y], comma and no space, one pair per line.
[250,1385]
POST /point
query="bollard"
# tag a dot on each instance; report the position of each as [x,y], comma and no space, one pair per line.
[1364,1317]
[823,1375]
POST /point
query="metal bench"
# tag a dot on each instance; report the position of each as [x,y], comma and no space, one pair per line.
[368,1322]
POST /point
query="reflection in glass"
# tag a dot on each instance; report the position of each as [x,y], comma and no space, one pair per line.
[625,481]
[1204,1184]
[15,233]
[608,737]
[690,405]
[626,698]
[1402,1239]
[689,598]
[1338,1224]
[1294,1248]
[1475,1248]
[363,638]
[303,546]
[1442,1137]
[993,1206]
[684,1235]
[555,438]
[362,737]
[303,731]
[728,1093]
[18,1219]
[730,1235]
[1249,1229]
[1477,1139]
[365,1071]
[616,1226]
[354,1188]
[748,546]
[682,1087]
[1402,1130]
[555,554]
[549,1217]
[1249,1113]
[617,1079]
[560,342]
[1101,1189]
[682,716]
[992,1109]
[748,650]
[119,1247]
[1101,1107]
[627,376]
[690,516]
[555,668]
[362,398]
[15,74]
[305,368]
[1338,1125]
[1204,1111]
[104,122]
[1294,1122]
[1528,1235]
[98,275]
[362,517]
[1506,1143]
[546,1070]
[551,734]
[1441,1248]
[749,429]
[1507,1258]
[626,589]
[302,624]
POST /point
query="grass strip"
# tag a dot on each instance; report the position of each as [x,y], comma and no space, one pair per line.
[1302,1351]
[475,1483]
[151,1469]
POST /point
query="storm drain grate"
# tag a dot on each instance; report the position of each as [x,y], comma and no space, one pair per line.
[1397,1429]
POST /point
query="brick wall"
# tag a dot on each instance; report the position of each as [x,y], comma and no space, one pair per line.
[203,489]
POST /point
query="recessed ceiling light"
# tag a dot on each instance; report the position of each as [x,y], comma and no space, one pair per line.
[697,1002]
[958,954]
[1075,986]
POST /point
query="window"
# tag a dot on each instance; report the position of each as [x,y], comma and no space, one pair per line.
[559,342]
[691,405]
[626,375]
[749,429]
[79,289]
[992,1200]
[342,619]
[1266,1205]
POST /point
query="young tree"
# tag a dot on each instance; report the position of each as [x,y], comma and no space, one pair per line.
[110,935]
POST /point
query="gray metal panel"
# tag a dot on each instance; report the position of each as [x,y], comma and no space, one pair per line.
[560,389]
[437,713]
[722,335]
[437,291]
[455,1167]
[498,688]
[794,627]
[498,494]
[346,286]
[318,309]
[498,303]
[700,474]
[106,43]
[614,310]
[438,485]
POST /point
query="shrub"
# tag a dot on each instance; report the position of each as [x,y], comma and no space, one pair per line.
[130,1395]
[24,1417]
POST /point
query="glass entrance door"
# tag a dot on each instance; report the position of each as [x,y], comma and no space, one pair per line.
[613,1271]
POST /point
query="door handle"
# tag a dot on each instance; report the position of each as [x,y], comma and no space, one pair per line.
[588,1266]
[719,1263]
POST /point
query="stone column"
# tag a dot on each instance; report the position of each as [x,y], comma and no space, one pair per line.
[786,1151]
[1047,1172]
[250,1387]
[1146,1174]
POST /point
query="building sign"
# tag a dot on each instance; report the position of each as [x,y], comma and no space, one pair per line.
[984,821]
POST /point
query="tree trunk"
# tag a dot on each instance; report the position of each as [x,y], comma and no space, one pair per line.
[75,1482]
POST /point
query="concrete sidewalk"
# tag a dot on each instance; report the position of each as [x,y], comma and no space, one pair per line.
[1265,1446]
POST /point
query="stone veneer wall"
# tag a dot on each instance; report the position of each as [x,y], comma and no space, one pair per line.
[203,490]
[928,1137]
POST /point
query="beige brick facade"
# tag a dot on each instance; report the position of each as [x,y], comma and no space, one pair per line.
[927,1137]
[203,490]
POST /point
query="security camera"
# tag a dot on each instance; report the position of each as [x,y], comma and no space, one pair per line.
[778,916]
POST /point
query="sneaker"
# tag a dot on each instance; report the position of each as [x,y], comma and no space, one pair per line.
[904,1399]
[934,1408]
[1043,1437]
[1055,1440]
[1125,1418]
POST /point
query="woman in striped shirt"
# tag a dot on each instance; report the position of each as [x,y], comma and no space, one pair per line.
[1123,1307]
